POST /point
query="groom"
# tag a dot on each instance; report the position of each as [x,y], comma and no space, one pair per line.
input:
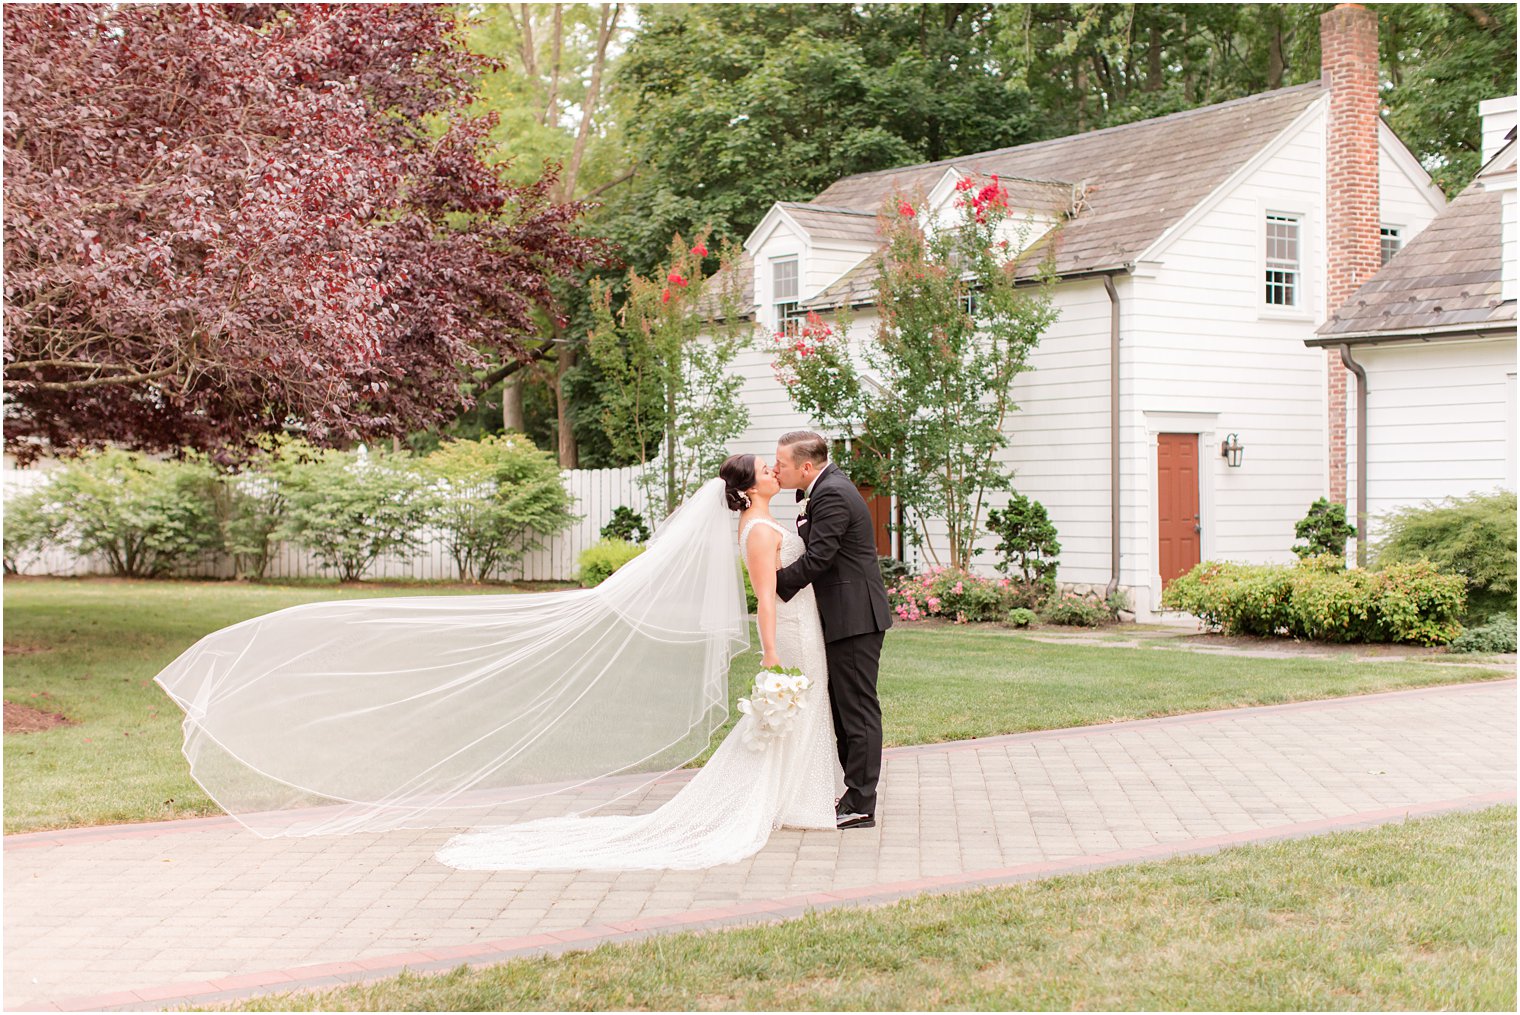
[840,564]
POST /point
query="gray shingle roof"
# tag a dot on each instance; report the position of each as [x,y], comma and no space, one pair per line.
[1448,278]
[1140,177]
[823,223]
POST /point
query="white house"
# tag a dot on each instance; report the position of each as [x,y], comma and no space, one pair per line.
[1198,254]
[1431,342]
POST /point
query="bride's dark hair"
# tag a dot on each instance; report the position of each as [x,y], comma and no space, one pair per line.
[738,475]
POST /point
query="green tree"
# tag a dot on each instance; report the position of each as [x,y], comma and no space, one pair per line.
[1090,65]
[741,105]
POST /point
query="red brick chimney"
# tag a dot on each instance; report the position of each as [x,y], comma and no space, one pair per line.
[1348,40]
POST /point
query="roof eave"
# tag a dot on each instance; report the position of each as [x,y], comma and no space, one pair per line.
[1442,332]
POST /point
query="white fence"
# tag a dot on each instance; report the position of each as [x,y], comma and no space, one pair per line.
[597,492]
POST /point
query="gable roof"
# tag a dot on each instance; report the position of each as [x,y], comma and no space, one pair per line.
[1449,278]
[821,222]
[1138,178]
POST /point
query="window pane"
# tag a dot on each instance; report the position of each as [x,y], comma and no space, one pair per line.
[1391,242]
[1282,234]
[784,280]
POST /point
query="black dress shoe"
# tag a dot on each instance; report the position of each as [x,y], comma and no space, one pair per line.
[853,820]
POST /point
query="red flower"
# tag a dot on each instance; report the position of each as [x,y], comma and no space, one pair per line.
[699,250]
[676,278]
[965,184]
[665,296]
[905,209]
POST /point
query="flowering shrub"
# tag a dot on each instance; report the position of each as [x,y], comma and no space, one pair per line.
[816,357]
[989,196]
[950,592]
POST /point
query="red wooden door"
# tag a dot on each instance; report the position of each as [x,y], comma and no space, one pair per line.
[1177,521]
[881,517]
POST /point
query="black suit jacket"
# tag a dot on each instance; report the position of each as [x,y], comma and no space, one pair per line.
[840,562]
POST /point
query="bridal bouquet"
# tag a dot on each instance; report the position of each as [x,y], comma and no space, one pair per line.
[773,704]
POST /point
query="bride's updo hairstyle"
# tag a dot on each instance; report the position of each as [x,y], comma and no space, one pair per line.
[738,475]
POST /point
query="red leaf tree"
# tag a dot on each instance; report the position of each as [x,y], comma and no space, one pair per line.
[222,220]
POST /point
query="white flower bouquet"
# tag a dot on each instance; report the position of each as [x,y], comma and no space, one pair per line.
[778,696]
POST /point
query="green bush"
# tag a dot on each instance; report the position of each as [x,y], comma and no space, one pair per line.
[1470,536]
[1019,617]
[599,560]
[892,569]
[1498,635]
[496,499]
[751,601]
[351,507]
[28,528]
[145,515]
[1324,530]
[1317,600]
[1027,549]
[1074,610]
[251,502]
[627,525]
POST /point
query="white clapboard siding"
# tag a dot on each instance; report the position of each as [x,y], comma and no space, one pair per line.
[597,494]
[1440,423]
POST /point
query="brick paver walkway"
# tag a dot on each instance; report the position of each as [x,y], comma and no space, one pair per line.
[197,911]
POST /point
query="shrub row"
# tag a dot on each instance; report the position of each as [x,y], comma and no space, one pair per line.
[493,500]
[1317,599]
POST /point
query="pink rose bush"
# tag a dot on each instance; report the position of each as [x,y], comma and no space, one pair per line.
[949,592]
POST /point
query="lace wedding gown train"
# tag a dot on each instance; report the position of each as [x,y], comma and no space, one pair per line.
[728,809]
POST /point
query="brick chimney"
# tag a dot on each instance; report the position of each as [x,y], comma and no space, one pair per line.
[1348,40]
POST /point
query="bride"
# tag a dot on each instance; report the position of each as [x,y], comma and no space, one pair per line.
[729,808]
[366,715]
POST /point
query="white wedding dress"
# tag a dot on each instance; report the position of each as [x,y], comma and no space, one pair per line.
[728,809]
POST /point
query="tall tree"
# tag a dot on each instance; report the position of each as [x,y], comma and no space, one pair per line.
[552,60]
[741,105]
[1091,65]
[227,220]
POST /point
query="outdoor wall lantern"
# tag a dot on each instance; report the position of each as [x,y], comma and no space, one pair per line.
[1231,450]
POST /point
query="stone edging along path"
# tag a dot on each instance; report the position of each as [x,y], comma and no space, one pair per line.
[213,914]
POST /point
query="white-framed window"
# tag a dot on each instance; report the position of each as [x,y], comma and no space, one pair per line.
[1284,272]
[785,289]
[1392,239]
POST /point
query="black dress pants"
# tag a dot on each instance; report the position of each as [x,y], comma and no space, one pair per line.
[853,665]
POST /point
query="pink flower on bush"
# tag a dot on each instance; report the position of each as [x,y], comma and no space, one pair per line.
[665,296]
[905,209]
[700,250]
[676,278]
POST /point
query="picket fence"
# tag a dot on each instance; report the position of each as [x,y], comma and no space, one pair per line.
[597,492]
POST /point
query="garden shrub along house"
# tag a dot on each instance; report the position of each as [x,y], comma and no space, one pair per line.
[1197,255]
[1430,339]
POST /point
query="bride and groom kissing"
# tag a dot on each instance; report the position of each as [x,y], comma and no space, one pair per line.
[825,583]
[374,714]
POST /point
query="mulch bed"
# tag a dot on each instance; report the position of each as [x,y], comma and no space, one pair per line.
[25,719]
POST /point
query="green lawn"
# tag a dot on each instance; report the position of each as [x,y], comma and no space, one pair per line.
[1413,917]
[89,649]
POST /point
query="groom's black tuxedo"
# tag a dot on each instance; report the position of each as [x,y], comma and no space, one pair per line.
[840,564]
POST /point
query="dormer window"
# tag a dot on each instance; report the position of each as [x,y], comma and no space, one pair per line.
[1282,264]
[785,289]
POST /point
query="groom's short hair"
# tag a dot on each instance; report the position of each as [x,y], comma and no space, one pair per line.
[807,446]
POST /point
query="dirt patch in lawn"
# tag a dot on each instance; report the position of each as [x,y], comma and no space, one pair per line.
[25,719]
[25,648]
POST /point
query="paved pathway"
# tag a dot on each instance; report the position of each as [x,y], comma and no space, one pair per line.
[199,911]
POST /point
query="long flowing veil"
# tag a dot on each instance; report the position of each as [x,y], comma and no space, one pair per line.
[430,711]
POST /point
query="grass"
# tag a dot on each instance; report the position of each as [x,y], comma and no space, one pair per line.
[89,649]
[1415,916]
